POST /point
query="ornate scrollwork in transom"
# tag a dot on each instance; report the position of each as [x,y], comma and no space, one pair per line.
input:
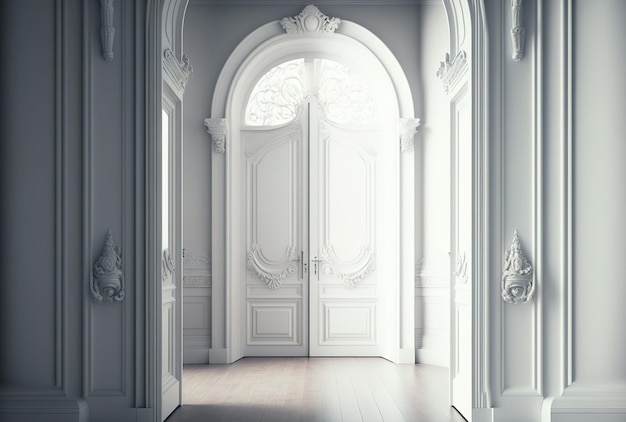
[280,94]
[272,273]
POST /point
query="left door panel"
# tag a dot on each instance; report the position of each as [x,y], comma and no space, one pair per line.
[276,307]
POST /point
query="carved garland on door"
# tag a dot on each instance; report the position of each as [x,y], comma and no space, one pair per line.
[272,273]
[351,273]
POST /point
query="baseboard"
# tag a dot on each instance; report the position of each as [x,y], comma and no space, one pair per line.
[482,415]
[432,357]
[30,409]
[196,356]
[218,356]
[598,408]
[406,356]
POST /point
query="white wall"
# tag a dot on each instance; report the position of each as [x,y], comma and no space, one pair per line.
[432,169]
[558,160]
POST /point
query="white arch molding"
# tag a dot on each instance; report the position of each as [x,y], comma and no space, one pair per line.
[466,17]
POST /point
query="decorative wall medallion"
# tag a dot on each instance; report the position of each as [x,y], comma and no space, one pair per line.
[179,72]
[310,20]
[348,272]
[517,277]
[167,265]
[108,282]
[408,129]
[517,30]
[107,31]
[218,130]
[450,72]
[272,273]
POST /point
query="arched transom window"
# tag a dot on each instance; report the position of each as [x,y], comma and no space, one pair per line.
[342,94]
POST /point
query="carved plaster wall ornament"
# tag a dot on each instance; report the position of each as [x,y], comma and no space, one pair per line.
[218,129]
[310,20]
[108,282]
[517,277]
[180,72]
[408,129]
[272,273]
[107,31]
[450,72]
[517,30]
[167,264]
[461,268]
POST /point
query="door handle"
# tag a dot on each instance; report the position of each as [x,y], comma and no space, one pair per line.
[302,266]
[316,261]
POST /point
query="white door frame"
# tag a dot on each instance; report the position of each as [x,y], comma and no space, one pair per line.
[261,50]
[473,22]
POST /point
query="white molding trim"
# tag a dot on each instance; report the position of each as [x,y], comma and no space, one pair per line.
[517,30]
[451,73]
[178,72]
[218,129]
[107,30]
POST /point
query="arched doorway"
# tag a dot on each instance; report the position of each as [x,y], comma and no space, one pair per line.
[351,301]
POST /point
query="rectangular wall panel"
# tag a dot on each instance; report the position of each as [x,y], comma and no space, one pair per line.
[347,323]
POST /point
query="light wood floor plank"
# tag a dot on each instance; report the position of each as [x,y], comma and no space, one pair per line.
[315,390]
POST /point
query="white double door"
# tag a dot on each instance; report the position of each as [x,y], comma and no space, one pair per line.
[319,226]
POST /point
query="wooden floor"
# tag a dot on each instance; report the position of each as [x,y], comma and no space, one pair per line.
[315,389]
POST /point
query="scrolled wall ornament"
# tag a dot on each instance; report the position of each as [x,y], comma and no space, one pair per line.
[167,264]
[218,129]
[450,72]
[180,72]
[517,30]
[107,31]
[310,20]
[108,280]
[517,277]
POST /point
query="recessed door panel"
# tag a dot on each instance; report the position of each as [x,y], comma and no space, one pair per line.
[276,293]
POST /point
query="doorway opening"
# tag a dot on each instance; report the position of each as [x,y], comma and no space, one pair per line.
[314,165]
[227,346]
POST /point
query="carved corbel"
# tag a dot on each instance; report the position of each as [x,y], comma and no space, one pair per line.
[408,129]
[517,30]
[517,277]
[310,20]
[179,72]
[218,130]
[450,72]
[108,282]
[107,31]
